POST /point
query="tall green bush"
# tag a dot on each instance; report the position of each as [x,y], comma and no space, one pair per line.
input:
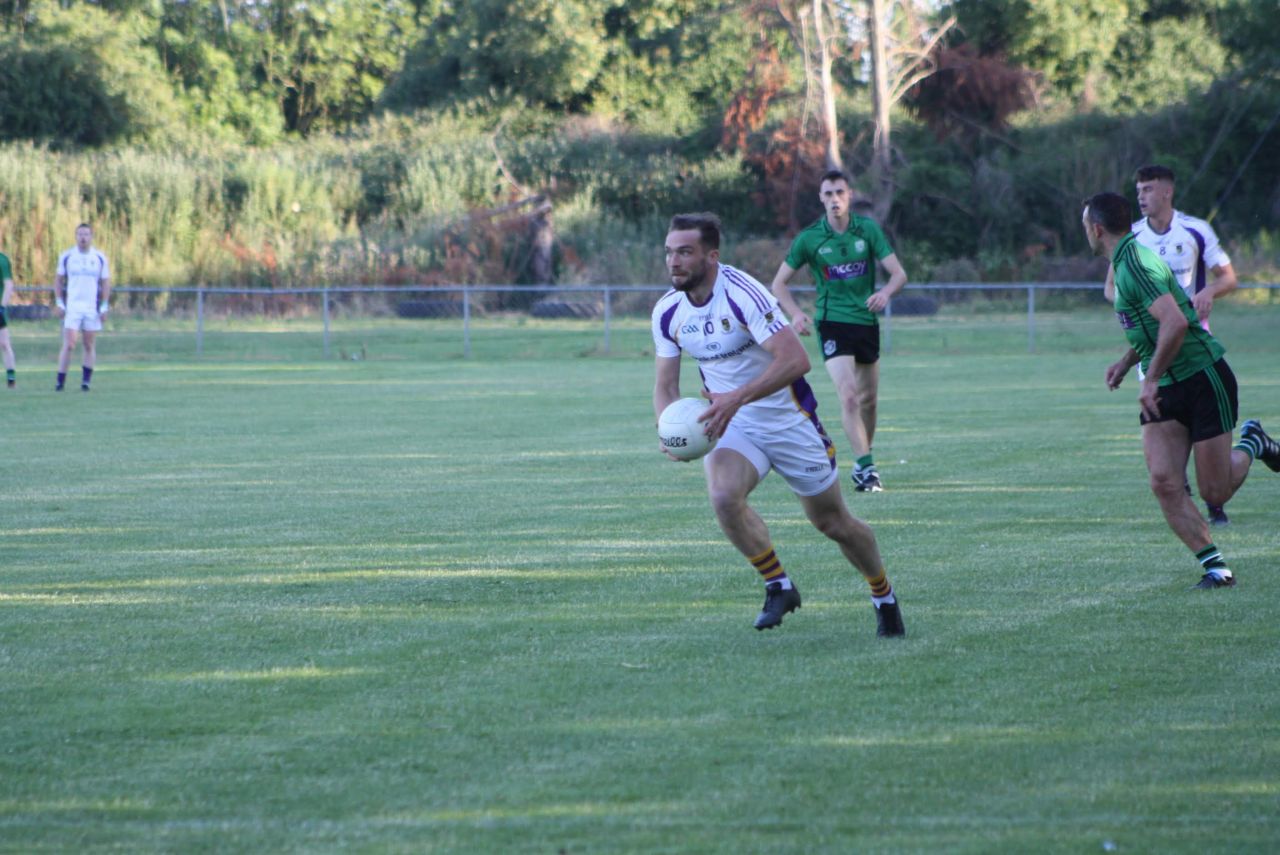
[83,76]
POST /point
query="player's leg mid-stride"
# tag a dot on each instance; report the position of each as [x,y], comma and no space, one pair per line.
[763,414]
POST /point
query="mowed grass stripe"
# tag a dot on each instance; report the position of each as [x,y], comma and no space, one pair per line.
[331,614]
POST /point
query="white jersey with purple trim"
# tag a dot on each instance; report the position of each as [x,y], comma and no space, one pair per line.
[1189,247]
[83,270]
[724,336]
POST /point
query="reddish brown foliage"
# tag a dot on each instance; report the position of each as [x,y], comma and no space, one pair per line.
[746,113]
[970,93]
[260,264]
[790,164]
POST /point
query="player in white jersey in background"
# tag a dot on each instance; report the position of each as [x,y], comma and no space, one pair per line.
[763,413]
[1189,247]
[82,289]
[1187,244]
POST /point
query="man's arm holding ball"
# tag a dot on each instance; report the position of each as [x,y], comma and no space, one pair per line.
[666,388]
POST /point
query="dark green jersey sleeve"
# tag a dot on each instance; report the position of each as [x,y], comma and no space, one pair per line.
[801,251]
[6,271]
[1142,278]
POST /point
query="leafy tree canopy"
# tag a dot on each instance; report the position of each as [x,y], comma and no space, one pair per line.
[676,58]
[84,76]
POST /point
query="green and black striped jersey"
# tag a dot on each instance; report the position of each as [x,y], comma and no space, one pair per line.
[1141,279]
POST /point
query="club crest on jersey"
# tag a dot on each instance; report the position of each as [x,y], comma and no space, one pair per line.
[725,325]
[1177,247]
[768,317]
[860,245]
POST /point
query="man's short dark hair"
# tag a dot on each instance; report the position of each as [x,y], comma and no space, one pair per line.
[835,175]
[1153,172]
[84,226]
[1109,210]
[707,224]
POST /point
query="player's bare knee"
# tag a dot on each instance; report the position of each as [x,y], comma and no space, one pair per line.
[727,504]
[829,524]
[1214,494]
[843,528]
[1164,486]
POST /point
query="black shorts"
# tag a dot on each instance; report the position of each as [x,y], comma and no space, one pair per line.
[4,322]
[1205,403]
[861,341]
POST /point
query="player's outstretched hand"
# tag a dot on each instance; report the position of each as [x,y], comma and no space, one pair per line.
[669,455]
[802,324]
[878,301]
[1116,374]
[1148,399]
[1203,304]
[717,416]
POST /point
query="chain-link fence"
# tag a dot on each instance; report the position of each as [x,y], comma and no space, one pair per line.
[361,322]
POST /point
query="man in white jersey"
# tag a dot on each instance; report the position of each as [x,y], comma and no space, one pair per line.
[1189,247]
[82,289]
[762,411]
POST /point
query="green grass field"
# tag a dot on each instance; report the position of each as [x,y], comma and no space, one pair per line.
[419,603]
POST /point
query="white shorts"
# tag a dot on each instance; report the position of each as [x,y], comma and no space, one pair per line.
[803,455]
[82,319]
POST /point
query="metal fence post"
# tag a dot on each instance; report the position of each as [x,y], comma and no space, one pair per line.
[1031,318]
[324,298]
[466,322]
[199,320]
[608,315]
[888,327]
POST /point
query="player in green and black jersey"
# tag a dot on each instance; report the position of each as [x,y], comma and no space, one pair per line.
[841,251]
[1188,398]
[6,297]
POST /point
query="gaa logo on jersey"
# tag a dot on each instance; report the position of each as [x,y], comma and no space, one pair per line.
[851,270]
[859,245]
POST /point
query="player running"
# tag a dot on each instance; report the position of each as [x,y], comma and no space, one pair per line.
[6,297]
[763,411]
[1190,248]
[841,251]
[1188,398]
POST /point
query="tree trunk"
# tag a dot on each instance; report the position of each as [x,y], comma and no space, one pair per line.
[881,161]
[830,126]
[542,238]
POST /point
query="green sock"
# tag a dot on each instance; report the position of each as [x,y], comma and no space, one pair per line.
[863,462]
[1250,445]
[1211,560]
